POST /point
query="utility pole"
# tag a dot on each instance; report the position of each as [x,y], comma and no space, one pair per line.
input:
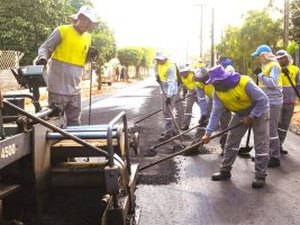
[201,29]
[286,23]
[212,59]
[201,32]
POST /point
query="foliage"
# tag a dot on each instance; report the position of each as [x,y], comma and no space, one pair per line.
[136,56]
[29,23]
[292,47]
[295,20]
[104,41]
[239,42]
[25,24]
[76,4]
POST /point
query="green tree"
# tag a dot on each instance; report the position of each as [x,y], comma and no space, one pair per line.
[147,58]
[103,40]
[295,20]
[139,57]
[26,24]
[130,56]
[239,42]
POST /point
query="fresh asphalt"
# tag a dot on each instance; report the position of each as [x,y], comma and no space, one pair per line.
[194,199]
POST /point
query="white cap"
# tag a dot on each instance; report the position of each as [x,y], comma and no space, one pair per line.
[87,11]
[200,73]
[160,56]
[183,69]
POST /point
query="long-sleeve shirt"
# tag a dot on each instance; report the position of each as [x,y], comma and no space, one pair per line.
[202,101]
[289,93]
[259,106]
[272,90]
[63,78]
[170,86]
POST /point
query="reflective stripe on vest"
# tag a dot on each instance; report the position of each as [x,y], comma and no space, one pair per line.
[188,81]
[73,47]
[294,70]
[236,98]
[266,71]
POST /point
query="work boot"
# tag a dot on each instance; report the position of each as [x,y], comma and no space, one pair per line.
[273,162]
[184,127]
[221,175]
[283,152]
[258,183]
[244,154]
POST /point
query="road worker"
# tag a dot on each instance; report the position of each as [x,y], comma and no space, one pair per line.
[68,48]
[187,78]
[240,95]
[226,63]
[167,78]
[205,94]
[291,89]
[270,81]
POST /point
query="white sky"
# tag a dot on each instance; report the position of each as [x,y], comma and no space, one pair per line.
[172,26]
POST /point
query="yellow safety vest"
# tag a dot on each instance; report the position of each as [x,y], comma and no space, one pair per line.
[207,88]
[73,47]
[199,65]
[162,70]
[294,70]
[236,98]
[188,81]
[266,71]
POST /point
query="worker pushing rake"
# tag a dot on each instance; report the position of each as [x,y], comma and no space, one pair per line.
[250,105]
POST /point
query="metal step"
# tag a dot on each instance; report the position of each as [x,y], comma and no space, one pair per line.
[79,174]
[70,148]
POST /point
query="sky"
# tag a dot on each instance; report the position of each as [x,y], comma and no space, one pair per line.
[173,26]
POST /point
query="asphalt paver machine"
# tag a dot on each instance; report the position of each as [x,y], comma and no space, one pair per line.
[39,154]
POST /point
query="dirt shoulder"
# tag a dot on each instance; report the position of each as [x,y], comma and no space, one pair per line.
[295,123]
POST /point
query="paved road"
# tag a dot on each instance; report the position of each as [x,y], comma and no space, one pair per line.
[196,200]
[192,198]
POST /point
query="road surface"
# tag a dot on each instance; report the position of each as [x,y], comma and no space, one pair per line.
[180,191]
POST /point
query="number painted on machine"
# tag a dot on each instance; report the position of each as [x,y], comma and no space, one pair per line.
[8,151]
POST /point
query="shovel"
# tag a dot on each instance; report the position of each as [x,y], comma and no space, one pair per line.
[244,151]
[152,152]
[190,147]
[159,110]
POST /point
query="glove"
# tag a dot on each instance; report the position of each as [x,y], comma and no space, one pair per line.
[205,139]
[203,121]
[92,54]
[285,71]
[41,61]
[247,120]
[184,92]
[158,79]
[257,71]
[168,101]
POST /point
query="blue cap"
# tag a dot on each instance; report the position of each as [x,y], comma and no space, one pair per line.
[261,49]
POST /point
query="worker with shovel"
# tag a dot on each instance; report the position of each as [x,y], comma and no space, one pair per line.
[187,76]
[240,95]
[291,89]
[167,78]
[270,81]
[205,94]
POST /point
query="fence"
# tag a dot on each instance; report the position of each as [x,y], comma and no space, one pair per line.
[9,60]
